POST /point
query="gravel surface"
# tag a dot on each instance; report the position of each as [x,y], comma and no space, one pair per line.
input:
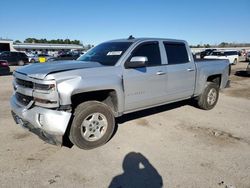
[175,145]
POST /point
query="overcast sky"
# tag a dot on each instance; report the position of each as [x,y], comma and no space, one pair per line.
[95,21]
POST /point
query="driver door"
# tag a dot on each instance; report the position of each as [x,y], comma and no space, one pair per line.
[145,86]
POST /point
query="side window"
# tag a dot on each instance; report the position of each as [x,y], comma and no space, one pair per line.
[176,53]
[151,51]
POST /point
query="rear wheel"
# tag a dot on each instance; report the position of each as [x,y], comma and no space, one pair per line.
[92,125]
[208,99]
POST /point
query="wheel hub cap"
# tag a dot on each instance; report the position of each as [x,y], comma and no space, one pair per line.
[211,97]
[94,127]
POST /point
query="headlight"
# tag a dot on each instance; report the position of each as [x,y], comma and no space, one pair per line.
[44,86]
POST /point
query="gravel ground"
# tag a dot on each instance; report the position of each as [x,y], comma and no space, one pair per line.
[175,145]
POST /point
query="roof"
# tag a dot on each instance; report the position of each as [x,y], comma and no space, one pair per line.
[145,39]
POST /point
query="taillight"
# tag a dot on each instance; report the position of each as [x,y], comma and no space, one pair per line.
[4,64]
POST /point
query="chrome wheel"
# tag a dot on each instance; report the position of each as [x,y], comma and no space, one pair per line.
[94,127]
[212,96]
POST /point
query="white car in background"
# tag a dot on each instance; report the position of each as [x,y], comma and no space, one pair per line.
[231,55]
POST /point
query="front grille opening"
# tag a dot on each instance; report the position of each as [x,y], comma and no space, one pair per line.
[23,99]
[24,83]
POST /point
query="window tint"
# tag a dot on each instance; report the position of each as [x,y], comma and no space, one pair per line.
[151,51]
[176,53]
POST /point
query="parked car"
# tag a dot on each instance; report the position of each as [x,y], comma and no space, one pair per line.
[14,58]
[41,58]
[4,67]
[30,56]
[206,53]
[112,79]
[232,56]
[69,56]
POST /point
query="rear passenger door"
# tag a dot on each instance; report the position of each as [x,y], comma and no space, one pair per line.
[145,86]
[180,71]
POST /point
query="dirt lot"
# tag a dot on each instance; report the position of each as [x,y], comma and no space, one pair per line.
[175,145]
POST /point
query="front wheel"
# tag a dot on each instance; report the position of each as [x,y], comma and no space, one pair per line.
[208,99]
[92,126]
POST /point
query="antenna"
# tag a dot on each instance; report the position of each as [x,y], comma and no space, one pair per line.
[131,37]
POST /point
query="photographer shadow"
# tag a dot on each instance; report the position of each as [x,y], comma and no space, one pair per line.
[138,172]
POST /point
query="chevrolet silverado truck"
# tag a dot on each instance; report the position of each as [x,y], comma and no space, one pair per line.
[80,99]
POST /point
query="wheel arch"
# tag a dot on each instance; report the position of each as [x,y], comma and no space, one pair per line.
[107,96]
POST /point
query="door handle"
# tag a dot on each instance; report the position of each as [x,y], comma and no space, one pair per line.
[190,69]
[160,73]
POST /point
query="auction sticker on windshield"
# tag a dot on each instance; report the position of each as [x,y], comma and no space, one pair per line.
[114,53]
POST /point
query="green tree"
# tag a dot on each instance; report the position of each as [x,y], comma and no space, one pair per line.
[17,41]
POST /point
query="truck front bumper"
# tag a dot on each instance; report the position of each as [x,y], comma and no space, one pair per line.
[49,125]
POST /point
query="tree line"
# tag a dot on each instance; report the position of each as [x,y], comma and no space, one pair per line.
[55,41]
[221,45]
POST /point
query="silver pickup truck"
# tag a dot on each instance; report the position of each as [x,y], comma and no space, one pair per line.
[80,99]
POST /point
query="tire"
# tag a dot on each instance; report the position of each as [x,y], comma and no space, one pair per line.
[20,62]
[235,61]
[208,99]
[32,61]
[92,126]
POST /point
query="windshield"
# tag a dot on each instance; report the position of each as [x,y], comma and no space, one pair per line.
[106,53]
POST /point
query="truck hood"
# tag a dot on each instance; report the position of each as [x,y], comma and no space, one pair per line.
[41,70]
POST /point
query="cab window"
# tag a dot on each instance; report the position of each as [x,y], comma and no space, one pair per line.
[151,51]
[176,52]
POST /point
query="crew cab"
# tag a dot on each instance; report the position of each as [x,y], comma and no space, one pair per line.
[80,99]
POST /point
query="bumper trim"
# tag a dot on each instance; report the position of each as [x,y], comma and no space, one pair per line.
[50,125]
[51,139]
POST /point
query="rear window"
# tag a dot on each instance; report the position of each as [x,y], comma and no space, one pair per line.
[176,53]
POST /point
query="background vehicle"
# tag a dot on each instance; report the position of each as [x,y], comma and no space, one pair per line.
[206,53]
[68,56]
[30,56]
[14,58]
[112,79]
[41,58]
[4,67]
[232,56]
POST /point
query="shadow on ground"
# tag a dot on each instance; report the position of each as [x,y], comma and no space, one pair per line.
[138,172]
[152,111]
[242,74]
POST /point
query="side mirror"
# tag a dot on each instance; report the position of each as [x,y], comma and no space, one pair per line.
[137,62]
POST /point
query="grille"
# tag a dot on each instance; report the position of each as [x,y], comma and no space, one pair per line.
[24,83]
[23,99]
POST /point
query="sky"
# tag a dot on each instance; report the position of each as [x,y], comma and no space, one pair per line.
[95,21]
